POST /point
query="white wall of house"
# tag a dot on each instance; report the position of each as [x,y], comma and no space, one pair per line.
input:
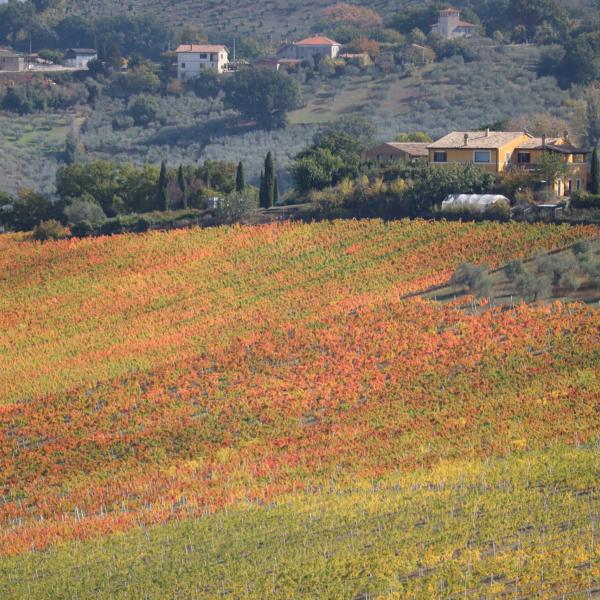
[80,61]
[190,64]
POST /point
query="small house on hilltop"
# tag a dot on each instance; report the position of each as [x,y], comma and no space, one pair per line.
[310,47]
[11,61]
[192,59]
[450,26]
[397,151]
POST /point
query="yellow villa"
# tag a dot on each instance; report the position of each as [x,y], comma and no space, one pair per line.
[499,151]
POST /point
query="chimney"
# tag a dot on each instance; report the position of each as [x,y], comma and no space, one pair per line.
[543,141]
[487,132]
[466,139]
[566,136]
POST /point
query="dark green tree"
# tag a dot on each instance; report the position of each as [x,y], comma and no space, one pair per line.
[263,95]
[181,181]
[261,191]
[595,176]
[240,182]
[275,191]
[269,182]
[162,195]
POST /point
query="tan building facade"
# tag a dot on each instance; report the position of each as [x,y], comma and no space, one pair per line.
[500,151]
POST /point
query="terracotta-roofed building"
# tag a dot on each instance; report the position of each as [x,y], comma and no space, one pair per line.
[500,151]
[192,59]
[397,151]
[450,26]
[310,47]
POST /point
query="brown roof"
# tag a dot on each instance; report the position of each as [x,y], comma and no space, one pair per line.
[556,144]
[466,24]
[477,139]
[317,41]
[412,148]
[199,48]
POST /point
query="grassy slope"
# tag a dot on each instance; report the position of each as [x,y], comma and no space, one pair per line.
[504,523]
[233,371]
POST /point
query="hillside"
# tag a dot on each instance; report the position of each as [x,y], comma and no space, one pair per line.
[257,413]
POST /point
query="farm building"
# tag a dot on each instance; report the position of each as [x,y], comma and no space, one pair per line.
[397,151]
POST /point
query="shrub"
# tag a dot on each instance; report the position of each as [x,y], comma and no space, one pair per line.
[554,266]
[474,278]
[85,210]
[533,287]
[514,269]
[82,229]
[585,200]
[581,247]
[568,281]
[49,230]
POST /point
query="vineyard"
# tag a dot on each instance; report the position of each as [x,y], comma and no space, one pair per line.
[254,412]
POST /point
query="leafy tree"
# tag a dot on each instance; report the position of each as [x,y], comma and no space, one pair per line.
[85,209]
[595,173]
[416,136]
[143,109]
[550,167]
[31,208]
[263,95]
[161,193]
[474,278]
[275,190]
[531,13]
[207,84]
[240,182]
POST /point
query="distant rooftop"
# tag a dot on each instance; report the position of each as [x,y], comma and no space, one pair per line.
[200,48]
[317,41]
[477,139]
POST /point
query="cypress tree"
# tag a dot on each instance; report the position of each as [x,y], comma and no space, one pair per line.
[162,195]
[595,179]
[261,191]
[182,186]
[275,191]
[269,180]
[240,182]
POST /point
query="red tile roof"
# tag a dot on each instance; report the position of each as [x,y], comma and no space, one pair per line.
[317,41]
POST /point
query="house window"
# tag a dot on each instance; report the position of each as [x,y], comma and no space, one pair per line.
[183,65]
[482,156]
[579,158]
[578,184]
[203,56]
[523,158]
[440,157]
[570,185]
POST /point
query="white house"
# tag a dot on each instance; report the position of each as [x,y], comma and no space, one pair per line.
[80,57]
[192,59]
[310,47]
[450,26]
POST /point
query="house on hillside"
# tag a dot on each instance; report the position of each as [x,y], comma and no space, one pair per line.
[192,59]
[528,154]
[397,151]
[500,151]
[450,26]
[277,64]
[79,58]
[310,47]
[11,61]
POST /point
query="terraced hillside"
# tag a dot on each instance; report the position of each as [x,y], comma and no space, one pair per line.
[256,412]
